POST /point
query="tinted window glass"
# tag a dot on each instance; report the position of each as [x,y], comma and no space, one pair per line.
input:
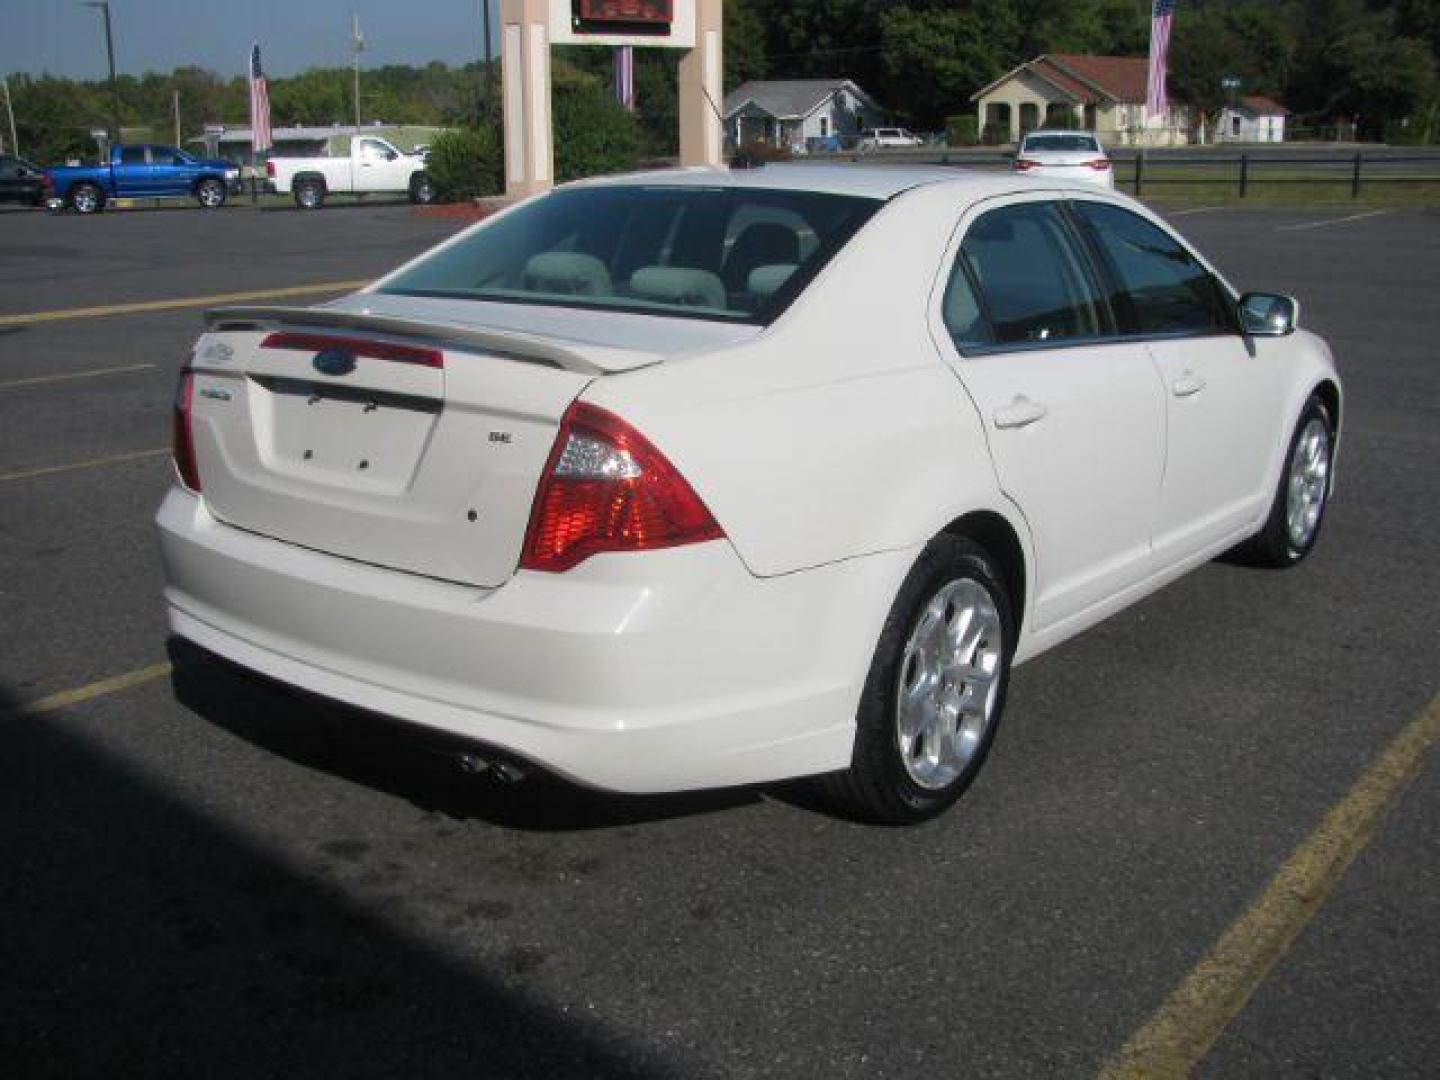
[1165,290]
[1071,143]
[718,253]
[1032,277]
[963,317]
[132,155]
[9,169]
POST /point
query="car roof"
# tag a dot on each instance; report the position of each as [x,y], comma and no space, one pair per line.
[863,180]
[1058,131]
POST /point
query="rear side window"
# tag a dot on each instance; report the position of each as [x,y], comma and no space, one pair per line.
[1034,282]
[1163,288]
[132,155]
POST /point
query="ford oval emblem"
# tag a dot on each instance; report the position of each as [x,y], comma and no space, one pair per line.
[334,362]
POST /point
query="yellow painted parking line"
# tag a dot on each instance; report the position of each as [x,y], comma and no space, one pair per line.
[1182,1031]
[38,380]
[92,463]
[1332,221]
[90,692]
[178,303]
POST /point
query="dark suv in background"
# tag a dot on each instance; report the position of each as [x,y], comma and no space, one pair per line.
[21,181]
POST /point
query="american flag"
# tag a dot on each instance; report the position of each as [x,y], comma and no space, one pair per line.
[1160,16]
[625,76]
[260,136]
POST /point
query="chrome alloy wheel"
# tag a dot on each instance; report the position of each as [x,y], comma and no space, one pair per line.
[1308,484]
[86,201]
[949,679]
[211,195]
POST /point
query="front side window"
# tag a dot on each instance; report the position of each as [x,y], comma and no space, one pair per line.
[733,254]
[1163,288]
[374,150]
[1034,282]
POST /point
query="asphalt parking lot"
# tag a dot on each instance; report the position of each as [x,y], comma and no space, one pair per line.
[205,875]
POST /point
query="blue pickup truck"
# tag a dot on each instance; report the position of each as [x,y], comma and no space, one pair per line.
[143,172]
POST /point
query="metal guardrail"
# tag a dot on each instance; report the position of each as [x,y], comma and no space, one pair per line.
[1134,168]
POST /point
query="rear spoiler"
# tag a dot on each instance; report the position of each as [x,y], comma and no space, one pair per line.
[574,356]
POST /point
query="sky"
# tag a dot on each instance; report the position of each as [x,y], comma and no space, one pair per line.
[63,37]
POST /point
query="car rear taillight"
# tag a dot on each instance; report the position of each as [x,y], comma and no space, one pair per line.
[270,169]
[607,488]
[182,442]
[1025,164]
[1099,164]
[47,182]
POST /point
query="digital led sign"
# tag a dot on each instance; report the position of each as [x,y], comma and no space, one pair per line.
[625,16]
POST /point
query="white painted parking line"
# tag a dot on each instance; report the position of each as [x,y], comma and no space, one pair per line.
[1198,210]
[38,380]
[1332,221]
[179,303]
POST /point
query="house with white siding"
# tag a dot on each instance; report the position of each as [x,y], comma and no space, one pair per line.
[1252,119]
[788,112]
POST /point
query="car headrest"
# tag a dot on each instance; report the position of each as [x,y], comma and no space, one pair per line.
[568,272]
[679,285]
[765,280]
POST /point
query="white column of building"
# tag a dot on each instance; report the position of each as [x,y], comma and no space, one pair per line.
[525,98]
[702,90]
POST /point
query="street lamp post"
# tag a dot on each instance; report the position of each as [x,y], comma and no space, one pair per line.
[489,64]
[104,6]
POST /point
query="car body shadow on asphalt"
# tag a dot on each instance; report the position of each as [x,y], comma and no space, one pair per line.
[406,761]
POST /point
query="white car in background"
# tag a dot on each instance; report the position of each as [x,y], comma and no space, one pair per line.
[887,138]
[691,479]
[1067,155]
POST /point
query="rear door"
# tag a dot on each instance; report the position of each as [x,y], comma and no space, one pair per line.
[1221,395]
[392,451]
[1074,418]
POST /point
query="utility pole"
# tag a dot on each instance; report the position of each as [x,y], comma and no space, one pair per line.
[104,6]
[177,121]
[357,45]
[489,63]
[10,112]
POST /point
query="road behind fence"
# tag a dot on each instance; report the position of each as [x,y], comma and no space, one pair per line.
[1331,171]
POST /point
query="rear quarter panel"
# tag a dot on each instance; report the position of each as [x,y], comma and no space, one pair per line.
[838,432]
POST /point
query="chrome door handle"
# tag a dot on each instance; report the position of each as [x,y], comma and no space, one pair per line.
[1187,384]
[1022,412]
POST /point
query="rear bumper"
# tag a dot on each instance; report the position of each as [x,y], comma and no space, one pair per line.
[667,671]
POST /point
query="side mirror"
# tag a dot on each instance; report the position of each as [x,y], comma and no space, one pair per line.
[1269,314]
[391,155]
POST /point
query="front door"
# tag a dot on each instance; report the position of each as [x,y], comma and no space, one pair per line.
[1075,420]
[1221,395]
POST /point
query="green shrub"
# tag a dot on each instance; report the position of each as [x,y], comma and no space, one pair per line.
[465,163]
[594,134]
[962,130]
[755,154]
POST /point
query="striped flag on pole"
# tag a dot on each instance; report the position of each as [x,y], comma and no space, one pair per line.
[260,136]
[1161,15]
[625,76]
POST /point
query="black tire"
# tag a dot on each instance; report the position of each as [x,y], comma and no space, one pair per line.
[309,194]
[210,193]
[1279,545]
[422,190]
[87,199]
[881,784]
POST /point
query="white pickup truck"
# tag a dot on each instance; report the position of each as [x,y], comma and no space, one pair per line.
[373,167]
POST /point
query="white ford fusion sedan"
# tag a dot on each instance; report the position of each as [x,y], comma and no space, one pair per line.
[693,479]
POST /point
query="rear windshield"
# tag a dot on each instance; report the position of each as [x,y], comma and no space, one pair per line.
[1071,143]
[725,253]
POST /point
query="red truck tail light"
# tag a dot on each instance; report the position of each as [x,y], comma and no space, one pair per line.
[182,443]
[270,169]
[1099,164]
[607,488]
